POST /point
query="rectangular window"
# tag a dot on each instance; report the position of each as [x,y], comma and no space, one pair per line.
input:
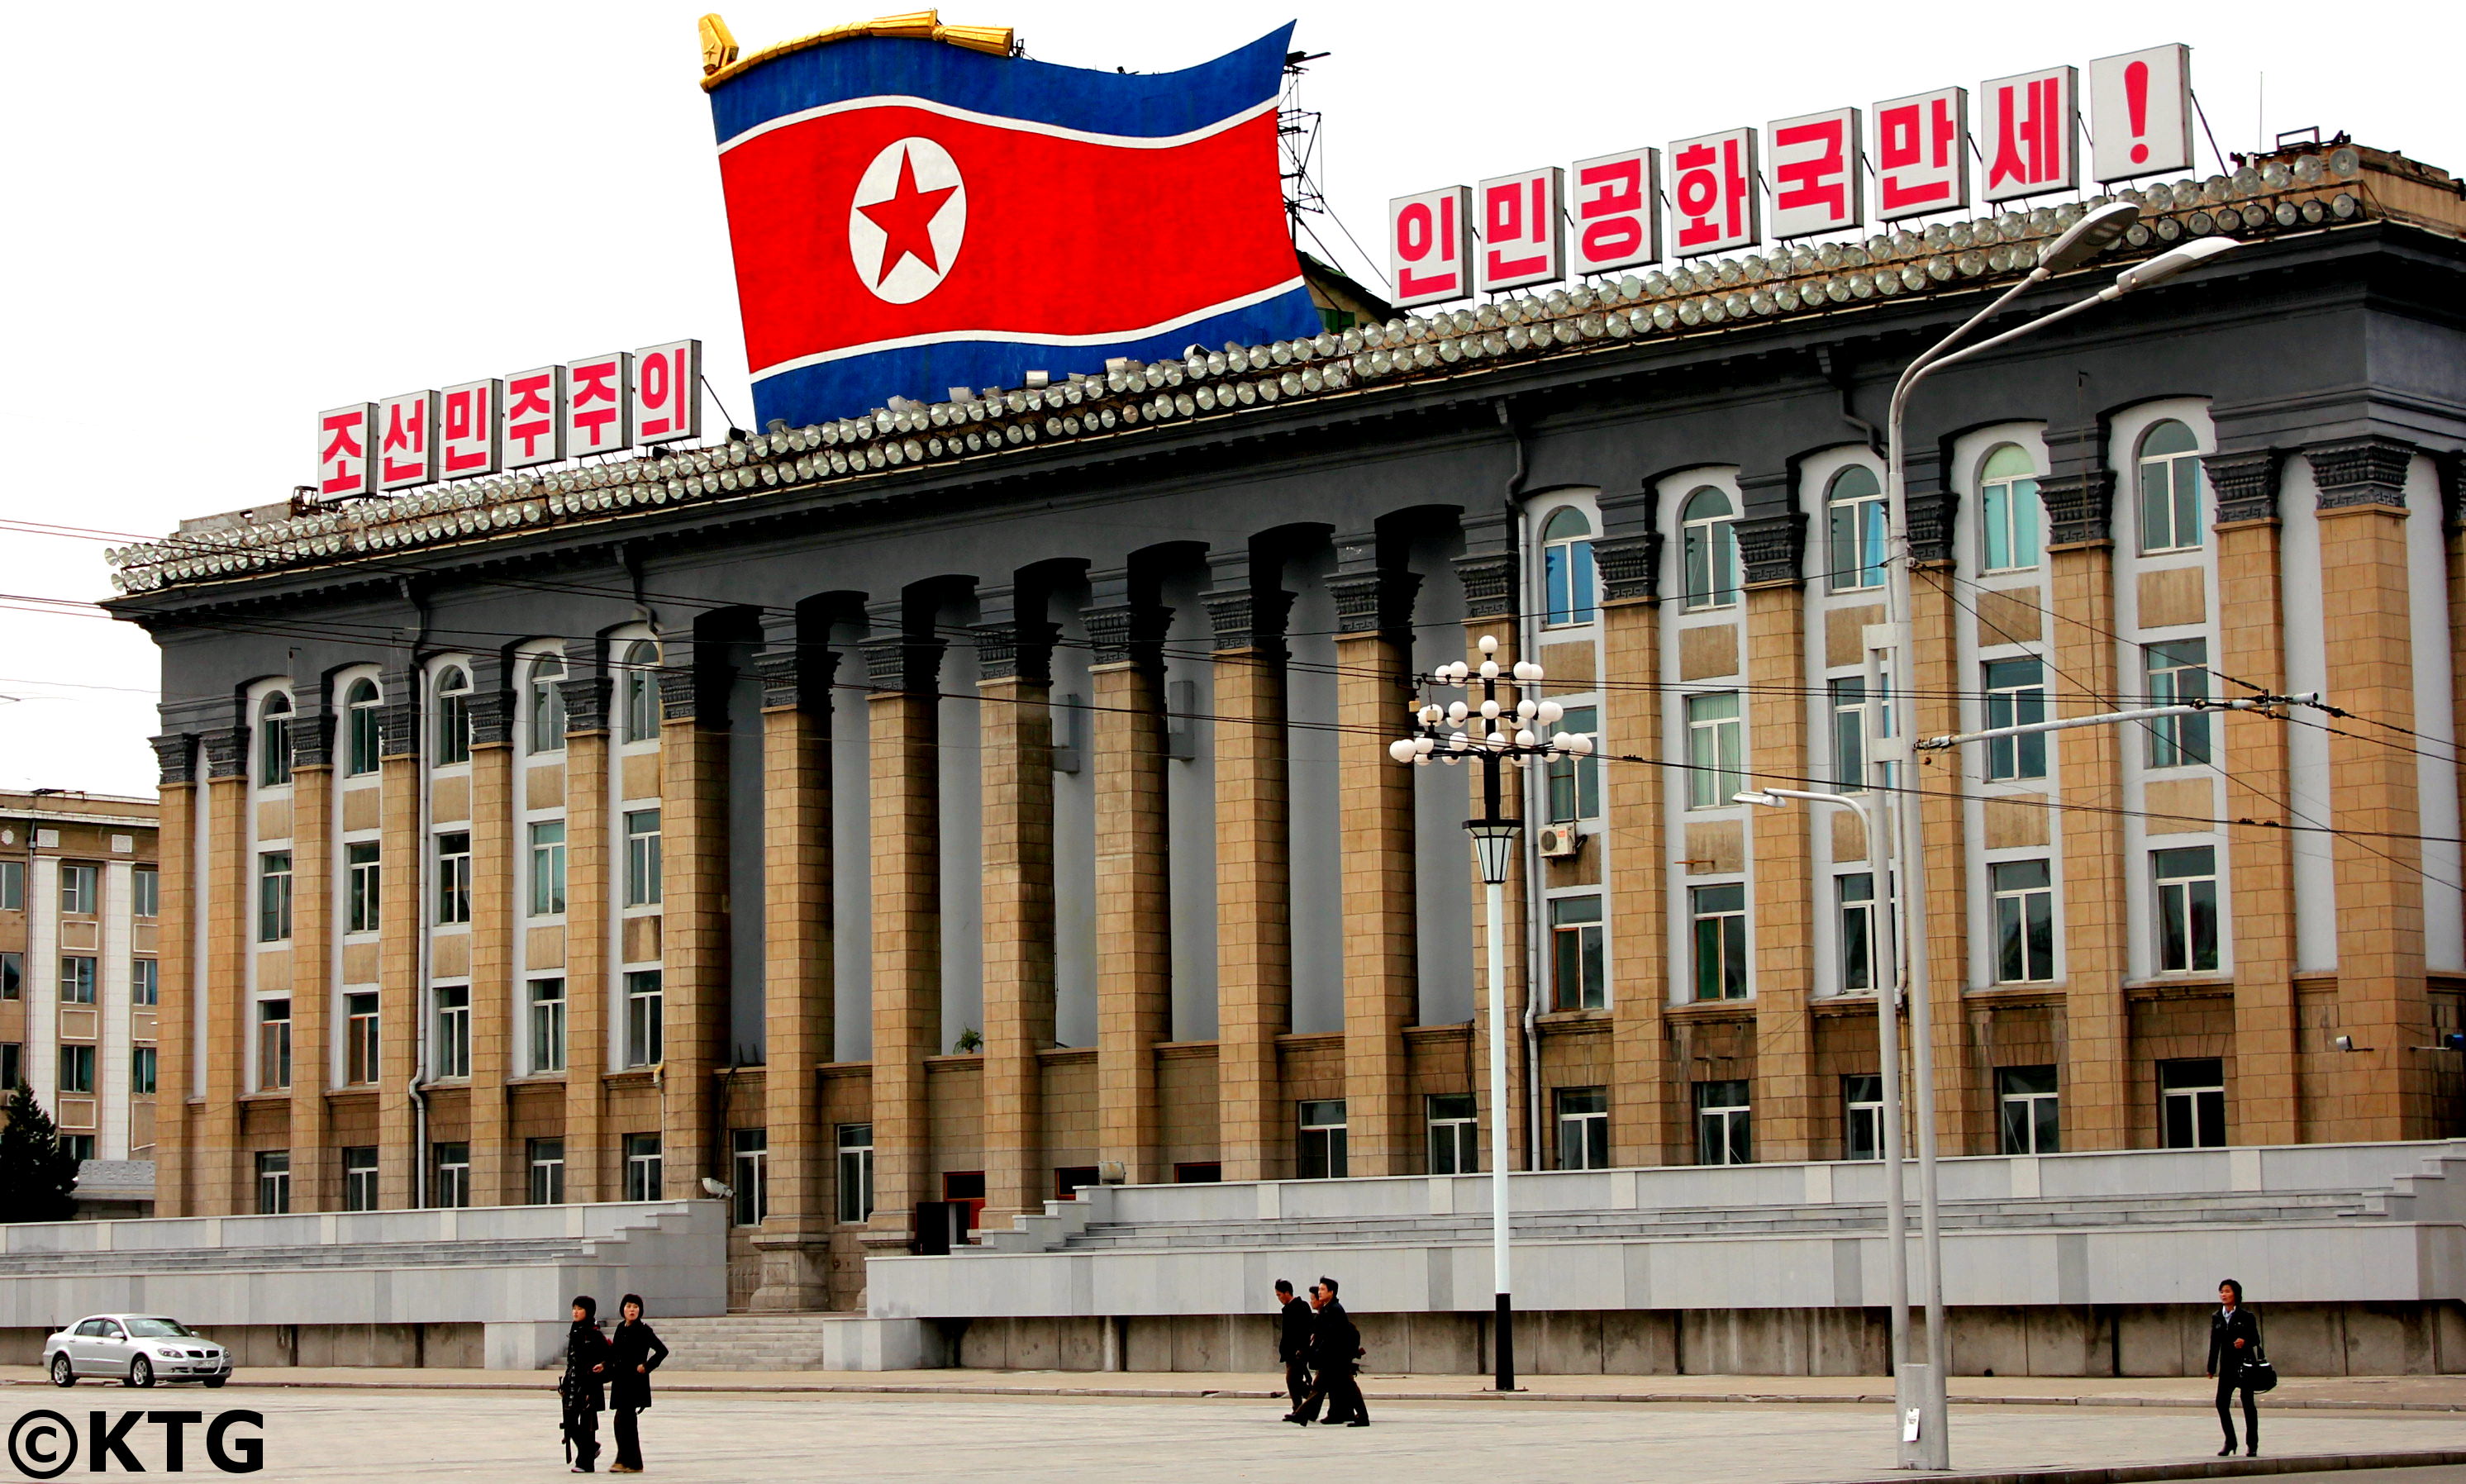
[2170,494]
[273,748]
[1720,940]
[273,896]
[2192,1103]
[1722,1134]
[856,1171]
[548,868]
[11,1064]
[1319,1151]
[363,886]
[548,1171]
[273,1044]
[2008,511]
[750,1153]
[454,877]
[1576,979]
[360,1038]
[273,1181]
[1862,1116]
[1567,582]
[145,982]
[360,1178]
[453,728]
[77,1069]
[1575,783]
[2178,674]
[1716,750]
[451,1185]
[78,889]
[12,886]
[643,1175]
[2025,921]
[364,730]
[142,1063]
[2186,881]
[2027,1097]
[1584,1128]
[548,1026]
[1862,937]
[146,891]
[77,978]
[2016,696]
[79,1147]
[1455,1133]
[452,1029]
[642,856]
[1849,734]
[12,976]
[643,1015]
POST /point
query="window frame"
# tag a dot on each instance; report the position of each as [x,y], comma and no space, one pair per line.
[363,1036]
[2176,671]
[452,904]
[1716,749]
[78,1059]
[1581,1119]
[274,896]
[543,1161]
[2029,1120]
[273,1044]
[274,721]
[645,1002]
[450,715]
[1453,1132]
[2198,909]
[2183,496]
[1730,965]
[1856,553]
[145,1071]
[1570,584]
[145,982]
[2192,1097]
[1708,548]
[1578,951]
[81,985]
[645,1167]
[2022,917]
[449,1187]
[1731,1101]
[1867,1112]
[273,1182]
[749,1164]
[853,1199]
[548,873]
[363,728]
[360,1192]
[1861,940]
[544,704]
[1571,786]
[544,1033]
[1321,1145]
[639,714]
[2006,506]
[80,889]
[363,886]
[451,1007]
[643,864]
[2013,702]
[146,891]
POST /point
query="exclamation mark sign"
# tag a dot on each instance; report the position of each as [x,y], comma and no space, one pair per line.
[2135,101]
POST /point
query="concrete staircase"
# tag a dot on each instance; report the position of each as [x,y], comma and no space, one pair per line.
[800,1343]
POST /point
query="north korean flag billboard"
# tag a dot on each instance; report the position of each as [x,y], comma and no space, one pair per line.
[909,216]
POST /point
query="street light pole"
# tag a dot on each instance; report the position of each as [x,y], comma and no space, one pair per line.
[1507,737]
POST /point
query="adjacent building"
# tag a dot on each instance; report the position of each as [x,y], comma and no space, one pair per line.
[970,802]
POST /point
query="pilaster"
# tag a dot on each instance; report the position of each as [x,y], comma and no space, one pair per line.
[1645,1118]
[1382,978]
[402,850]
[1133,946]
[907,878]
[1254,947]
[1787,1113]
[693,942]
[593,863]
[315,1167]
[215,1157]
[176,968]
[1015,738]
[2096,1077]
[498,911]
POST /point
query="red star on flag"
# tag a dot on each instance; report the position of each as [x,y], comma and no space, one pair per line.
[907,219]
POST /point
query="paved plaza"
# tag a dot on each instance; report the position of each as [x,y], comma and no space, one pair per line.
[493,1434]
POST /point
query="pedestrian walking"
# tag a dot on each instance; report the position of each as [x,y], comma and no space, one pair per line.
[1335,1351]
[580,1388]
[2234,1348]
[1293,1345]
[635,1352]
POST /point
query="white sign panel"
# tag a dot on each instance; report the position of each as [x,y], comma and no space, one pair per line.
[531,418]
[407,440]
[599,404]
[1818,184]
[466,438]
[1617,211]
[667,392]
[1713,184]
[2026,128]
[1524,229]
[343,438]
[1429,246]
[2140,114]
[1922,155]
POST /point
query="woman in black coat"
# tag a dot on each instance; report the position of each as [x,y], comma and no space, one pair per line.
[635,1353]
[2235,1341]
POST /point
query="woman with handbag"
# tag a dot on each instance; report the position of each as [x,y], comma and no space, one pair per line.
[635,1352]
[2238,1362]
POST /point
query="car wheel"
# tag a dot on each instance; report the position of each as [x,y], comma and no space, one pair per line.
[216,1381]
[141,1372]
[63,1374]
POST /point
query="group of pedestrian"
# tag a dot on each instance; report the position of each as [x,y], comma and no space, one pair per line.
[1322,1352]
[604,1370]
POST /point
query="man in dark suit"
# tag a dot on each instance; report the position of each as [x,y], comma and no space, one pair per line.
[1335,1348]
[1294,1346]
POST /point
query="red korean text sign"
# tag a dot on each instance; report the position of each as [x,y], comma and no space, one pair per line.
[531,423]
[1429,246]
[1524,229]
[1922,155]
[667,392]
[344,436]
[1713,186]
[2140,113]
[407,440]
[466,433]
[1617,211]
[1818,182]
[2027,126]
[599,404]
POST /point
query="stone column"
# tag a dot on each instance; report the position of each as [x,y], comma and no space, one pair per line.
[1781,892]
[901,669]
[1015,684]
[592,880]
[1254,940]
[2383,1091]
[402,921]
[177,971]
[2268,1089]
[1374,649]
[1644,1113]
[693,940]
[220,1187]
[499,909]
[796,669]
[2096,1077]
[1133,942]
[315,1178]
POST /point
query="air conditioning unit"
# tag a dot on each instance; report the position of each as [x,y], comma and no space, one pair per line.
[1560,842]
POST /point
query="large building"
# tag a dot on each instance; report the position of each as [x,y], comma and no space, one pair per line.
[974,801]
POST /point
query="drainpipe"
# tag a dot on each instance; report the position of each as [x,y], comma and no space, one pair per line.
[1526,637]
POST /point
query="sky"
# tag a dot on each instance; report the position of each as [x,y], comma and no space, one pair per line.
[229,216]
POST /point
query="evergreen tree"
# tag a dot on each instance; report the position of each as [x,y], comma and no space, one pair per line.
[36,1175]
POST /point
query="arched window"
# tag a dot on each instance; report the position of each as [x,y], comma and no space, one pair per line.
[274,741]
[363,731]
[1710,543]
[1854,520]
[2170,489]
[1566,568]
[2007,510]
[642,707]
[453,713]
[543,703]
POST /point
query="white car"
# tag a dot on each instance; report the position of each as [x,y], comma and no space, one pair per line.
[135,1350]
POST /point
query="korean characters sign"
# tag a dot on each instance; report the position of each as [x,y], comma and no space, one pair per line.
[667,392]
[1429,246]
[344,435]
[1524,229]
[2026,125]
[533,417]
[466,441]
[405,440]
[1617,211]
[599,404]
[1817,183]
[1922,155]
[2140,113]
[1713,190]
